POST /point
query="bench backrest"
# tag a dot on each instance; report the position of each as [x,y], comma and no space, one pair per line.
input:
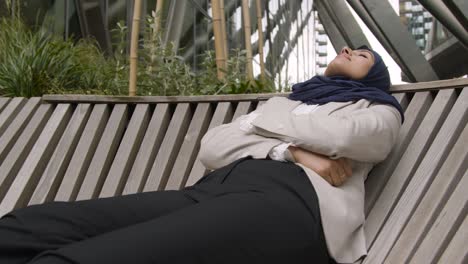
[66,148]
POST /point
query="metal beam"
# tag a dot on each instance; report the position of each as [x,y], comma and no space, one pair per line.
[460,9]
[175,21]
[334,34]
[282,10]
[91,13]
[200,9]
[190,45]
[449,59]
[294,41]
[385,24]
[280,39]
[442,13]
[345,22]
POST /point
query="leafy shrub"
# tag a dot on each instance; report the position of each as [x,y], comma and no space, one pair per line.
[35,62]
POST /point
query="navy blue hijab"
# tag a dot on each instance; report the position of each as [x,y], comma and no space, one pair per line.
[374,87]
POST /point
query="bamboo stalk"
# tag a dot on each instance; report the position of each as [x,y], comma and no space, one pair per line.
[260,39]
[247,33]
[278,53]
[223,28]
[157,19]
[134,48]
[218,36]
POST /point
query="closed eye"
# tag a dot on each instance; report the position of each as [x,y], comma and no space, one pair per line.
[363,55]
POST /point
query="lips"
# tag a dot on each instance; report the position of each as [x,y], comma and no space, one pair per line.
[345,56]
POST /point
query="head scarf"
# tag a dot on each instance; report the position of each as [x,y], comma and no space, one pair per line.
[373,87]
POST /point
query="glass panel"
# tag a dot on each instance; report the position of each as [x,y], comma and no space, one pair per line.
[116,11]
[49,13]
[73,28]
[196,39]
[35,12]
[417,20]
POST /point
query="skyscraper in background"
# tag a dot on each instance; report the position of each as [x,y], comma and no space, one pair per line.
[418,20]
[321,42]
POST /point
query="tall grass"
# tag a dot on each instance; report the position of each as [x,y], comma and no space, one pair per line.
[36,62]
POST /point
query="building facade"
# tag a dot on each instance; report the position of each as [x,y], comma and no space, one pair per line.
[418,21]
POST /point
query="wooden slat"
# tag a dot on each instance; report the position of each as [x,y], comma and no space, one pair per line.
[436,196]
[169,150]
[53,174]
[400,88]
[408,164]
[260,103]
[148,150]
[3,103]
[26,181]
[380,174]
[105,153]
[430,86]
[11,134]
[223,114]
[79,163]
[190,147]
[242,108]
[123,161]
[9,113]
[423,176]
[15,158]
[457,251]
[403,99]
[444,227]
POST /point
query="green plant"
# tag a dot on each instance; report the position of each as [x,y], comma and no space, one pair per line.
[35,62]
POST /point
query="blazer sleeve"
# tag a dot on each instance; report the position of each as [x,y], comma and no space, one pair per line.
[226,143]
[366,134]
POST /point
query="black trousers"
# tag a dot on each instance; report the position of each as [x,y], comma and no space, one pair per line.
[250,211]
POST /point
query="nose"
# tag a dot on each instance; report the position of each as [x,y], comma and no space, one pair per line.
[346,50]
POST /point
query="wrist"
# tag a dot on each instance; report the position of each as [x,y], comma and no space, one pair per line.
[293,150]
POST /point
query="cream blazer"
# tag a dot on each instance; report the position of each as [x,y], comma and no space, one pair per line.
[362,131]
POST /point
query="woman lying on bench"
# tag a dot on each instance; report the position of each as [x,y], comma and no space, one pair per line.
[287,186]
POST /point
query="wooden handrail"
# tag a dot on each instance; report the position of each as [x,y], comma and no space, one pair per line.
[72,98]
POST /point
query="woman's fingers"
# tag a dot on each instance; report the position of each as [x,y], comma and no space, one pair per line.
[335,174]
[347,166]
[341,171]
[328,178]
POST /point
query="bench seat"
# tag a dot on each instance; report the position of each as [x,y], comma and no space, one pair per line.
[74,147]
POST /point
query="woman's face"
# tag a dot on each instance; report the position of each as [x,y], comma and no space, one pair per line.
[354,64]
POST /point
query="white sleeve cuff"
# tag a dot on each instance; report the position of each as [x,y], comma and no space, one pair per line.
[281,153]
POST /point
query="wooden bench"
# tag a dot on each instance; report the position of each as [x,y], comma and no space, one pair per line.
[67,148]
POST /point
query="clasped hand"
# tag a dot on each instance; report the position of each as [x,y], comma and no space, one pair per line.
[335,172]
